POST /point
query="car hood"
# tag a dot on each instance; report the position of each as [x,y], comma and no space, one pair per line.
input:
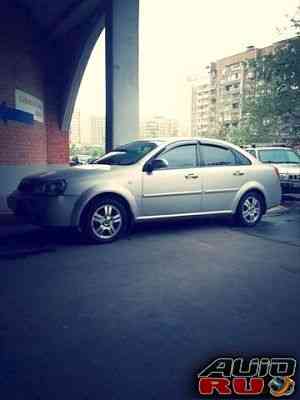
[83,171]
[288,168]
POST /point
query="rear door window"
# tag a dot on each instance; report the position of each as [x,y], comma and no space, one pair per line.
[217,156]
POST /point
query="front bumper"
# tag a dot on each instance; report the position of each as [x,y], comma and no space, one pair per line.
[43,210]
[290,186]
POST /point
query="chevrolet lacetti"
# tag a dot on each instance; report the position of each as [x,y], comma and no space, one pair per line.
[150,180]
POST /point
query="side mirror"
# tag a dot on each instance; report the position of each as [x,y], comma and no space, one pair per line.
[157,163]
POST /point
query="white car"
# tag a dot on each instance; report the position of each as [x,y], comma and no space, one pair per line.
[286,160]
[147,180]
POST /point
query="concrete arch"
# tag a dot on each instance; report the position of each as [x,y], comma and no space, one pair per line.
[121,20]
[80,63]
[55,47]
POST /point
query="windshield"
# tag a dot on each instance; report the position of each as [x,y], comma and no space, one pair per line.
[279,156]
[128,154]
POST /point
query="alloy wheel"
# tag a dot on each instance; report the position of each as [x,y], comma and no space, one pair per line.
[251,210]
[106,221]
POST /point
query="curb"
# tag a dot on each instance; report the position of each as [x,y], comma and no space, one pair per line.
[291,197]
[278,211]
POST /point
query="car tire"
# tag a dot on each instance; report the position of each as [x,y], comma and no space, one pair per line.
[106,220]
[250,209]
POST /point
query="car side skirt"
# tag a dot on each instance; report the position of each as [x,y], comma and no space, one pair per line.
[170,216]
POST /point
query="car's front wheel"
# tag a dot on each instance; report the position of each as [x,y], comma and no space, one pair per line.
[106,220]
[250,209]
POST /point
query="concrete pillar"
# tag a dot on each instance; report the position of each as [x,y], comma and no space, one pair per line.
[122,72]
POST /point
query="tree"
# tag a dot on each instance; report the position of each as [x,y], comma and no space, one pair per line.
[240,136]
[272,97]
[295,21]
[271,103]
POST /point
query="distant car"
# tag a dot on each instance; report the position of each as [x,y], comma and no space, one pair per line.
[150,180]
[286,160]
[92,160]
[83,158]
[74,161]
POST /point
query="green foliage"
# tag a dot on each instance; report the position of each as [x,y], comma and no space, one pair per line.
[92,151]
[295,21]
[272,95]
[241,136]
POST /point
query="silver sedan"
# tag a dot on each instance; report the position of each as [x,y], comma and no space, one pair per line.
[147,180]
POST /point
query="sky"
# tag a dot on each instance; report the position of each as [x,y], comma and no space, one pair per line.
[179,39]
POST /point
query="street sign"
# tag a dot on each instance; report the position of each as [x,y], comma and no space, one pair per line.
[12,114]
[30,104]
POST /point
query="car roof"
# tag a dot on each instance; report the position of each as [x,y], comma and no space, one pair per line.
[267,148]
[203,140]
[169,140]
[164,141]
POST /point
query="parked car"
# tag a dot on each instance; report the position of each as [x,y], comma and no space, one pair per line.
[286,160]
[74,161]
[150,180]
[83,158]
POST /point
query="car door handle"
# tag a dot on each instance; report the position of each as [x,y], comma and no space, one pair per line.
[238,173]
[191,176]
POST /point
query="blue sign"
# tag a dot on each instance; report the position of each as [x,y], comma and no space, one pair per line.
[12,114]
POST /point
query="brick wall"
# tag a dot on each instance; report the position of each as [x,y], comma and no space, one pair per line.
[22,145]
[57,144]
[23,66]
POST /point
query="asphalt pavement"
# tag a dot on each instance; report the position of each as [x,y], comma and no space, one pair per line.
[138,318]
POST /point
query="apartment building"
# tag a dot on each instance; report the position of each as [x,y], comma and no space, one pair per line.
[97,130]
[217,103]
[202,109]
[87,129]
[75,129]
[160,126]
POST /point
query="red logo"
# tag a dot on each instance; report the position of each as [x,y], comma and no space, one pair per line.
[258,376]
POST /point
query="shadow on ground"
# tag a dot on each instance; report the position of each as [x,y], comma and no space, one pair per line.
[282,224]
[137,319]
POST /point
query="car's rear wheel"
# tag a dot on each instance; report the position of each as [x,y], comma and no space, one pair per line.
[250,209]
[106,220]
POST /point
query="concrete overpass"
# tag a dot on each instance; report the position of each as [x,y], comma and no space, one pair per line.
[45,46]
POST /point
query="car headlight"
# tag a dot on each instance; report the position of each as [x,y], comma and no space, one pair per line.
[51,188]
